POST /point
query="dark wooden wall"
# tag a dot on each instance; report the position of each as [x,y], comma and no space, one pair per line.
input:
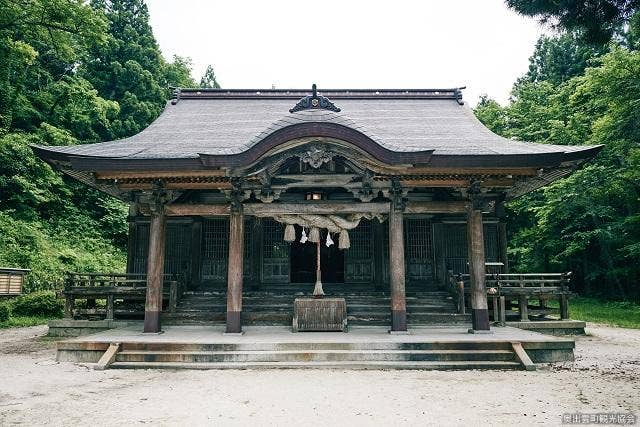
[198,249]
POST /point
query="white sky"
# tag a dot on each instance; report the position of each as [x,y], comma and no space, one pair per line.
[350,43]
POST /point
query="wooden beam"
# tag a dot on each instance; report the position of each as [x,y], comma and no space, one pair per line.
[475,243]
[436,207]
[108,357]
[396,271]
[315,208]
[235,273]
[158,174]
[155,270]
[196,210]
[522,356]
[525,171]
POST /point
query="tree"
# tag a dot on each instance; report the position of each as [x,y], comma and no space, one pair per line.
[588,223]
[557,59]
[209,80]
[596,20]
[128,67]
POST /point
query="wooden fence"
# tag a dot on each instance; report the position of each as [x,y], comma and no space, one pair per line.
[505,289]
[121,292]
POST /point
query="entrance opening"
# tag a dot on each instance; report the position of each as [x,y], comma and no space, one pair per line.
[303,260]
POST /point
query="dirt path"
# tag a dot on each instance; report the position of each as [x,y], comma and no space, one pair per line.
[35,390]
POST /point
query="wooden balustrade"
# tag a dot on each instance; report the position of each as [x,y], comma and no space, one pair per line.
[111,287]
[503,289]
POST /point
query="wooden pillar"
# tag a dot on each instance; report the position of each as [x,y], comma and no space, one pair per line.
[131,243]
[502,246]
[475,239]
[235,271]
[196,253]
[256,255]
[155,270]
[396,269]
[378,254]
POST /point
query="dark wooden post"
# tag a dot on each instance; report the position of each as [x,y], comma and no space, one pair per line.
[378,254]
[256,256]
[396,266]
[155,268]
[502,236]
[131,243]
[196,253]
[235,270]
[475,239]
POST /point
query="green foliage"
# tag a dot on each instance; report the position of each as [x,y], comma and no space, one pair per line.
[42,304]
[208,80]
[72,72]
[588,223]
[597,20]
[5,311]
[557,59]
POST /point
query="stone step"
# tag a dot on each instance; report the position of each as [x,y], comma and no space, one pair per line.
[421,365]
[351,308]
[315,356]
[311,346]
[285,319]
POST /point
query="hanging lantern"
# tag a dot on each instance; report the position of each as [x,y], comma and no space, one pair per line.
[304,238]
[329,239]
[289,233]
[314,235]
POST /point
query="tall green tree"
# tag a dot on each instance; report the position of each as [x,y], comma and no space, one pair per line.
[589,222]
[597,20]
[209,80]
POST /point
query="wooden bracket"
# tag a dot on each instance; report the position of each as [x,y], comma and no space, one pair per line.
[108,357]
[522,356]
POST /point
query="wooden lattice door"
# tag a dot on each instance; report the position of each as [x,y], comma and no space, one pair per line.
[178,249]
[418,250]
[358,259]
[215,250]
[275,253]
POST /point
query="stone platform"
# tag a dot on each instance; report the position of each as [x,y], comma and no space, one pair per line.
[205,347]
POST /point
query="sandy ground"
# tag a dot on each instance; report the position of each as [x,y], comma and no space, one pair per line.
[36,390]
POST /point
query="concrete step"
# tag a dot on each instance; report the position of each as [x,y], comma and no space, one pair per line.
[315,356]
[421,365]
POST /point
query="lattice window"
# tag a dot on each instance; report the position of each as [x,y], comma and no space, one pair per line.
[141,248]
[359,257]
[178,249]
[248,253]
[215,249]
[491,252]
[418,250]
[418,239]
[275,251]
[215,236]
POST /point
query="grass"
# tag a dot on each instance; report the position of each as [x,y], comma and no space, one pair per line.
[624,314]
[21,321]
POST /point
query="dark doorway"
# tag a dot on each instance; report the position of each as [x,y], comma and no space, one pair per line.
[303,260]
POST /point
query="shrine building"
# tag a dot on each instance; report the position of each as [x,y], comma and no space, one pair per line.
[387,191]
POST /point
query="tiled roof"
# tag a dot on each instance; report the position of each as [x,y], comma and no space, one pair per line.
[231,122]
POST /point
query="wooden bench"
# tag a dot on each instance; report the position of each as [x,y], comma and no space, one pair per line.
[126,287]
[503,289]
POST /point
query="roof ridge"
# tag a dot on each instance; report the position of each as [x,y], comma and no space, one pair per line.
[443,93]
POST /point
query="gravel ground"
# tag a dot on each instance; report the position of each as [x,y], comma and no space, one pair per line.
[36,390]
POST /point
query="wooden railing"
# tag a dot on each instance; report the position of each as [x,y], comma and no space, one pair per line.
[125,287]
[503,289]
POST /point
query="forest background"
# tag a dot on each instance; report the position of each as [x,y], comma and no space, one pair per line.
[76,72]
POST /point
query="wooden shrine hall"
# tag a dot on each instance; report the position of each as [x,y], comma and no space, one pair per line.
[387,189]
